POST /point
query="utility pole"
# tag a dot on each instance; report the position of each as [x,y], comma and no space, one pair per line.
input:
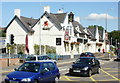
[9,56]
[111,40]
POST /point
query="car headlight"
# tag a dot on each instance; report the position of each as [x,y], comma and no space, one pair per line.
[85,68]
[26,79]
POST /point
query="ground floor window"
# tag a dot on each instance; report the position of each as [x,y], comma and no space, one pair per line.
[58,41]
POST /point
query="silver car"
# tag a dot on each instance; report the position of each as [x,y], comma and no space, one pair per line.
[40,58]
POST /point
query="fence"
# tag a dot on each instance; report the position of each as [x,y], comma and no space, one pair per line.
[53,56]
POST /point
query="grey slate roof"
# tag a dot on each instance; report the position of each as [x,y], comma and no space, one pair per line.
[60,17]
[92,32]
[101,34]
[24,22]
[81,28]
[56,18]
[28,21]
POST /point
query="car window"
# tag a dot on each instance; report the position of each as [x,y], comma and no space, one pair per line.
[51,66]
[43,58]
[29,67]
[45,66]
[83,61]
[30,58]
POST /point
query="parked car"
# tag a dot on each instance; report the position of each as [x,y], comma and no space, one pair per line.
[87,54]
[85,66]
[40,58]
[34,72]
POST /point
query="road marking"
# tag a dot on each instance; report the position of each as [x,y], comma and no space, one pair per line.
[107,80]
[109,74]
[113,71]
[93,79]
[68,78]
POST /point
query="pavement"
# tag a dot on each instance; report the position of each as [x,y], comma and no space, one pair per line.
[102,56]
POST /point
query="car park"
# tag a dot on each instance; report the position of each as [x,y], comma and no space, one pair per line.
[34,72]
[87,54]
[85,66]
[39,58]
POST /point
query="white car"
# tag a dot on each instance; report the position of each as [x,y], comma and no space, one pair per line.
[40,58]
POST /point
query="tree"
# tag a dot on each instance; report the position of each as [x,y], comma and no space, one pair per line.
[115,35]
[93,26]
[2,33]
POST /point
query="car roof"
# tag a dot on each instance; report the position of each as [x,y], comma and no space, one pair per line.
[88,57]
[39,62]
[35,55]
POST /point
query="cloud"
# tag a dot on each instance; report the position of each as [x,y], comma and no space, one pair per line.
[95,16]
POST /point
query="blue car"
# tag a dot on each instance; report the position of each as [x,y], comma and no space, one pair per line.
[34,72]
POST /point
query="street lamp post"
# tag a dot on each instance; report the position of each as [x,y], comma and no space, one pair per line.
[106,34]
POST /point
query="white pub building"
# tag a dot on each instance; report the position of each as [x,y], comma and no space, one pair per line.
[60,30]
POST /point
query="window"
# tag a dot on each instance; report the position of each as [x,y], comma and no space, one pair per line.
[51,66]
[58,41]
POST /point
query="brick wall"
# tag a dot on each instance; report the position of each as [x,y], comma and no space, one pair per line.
[5,62]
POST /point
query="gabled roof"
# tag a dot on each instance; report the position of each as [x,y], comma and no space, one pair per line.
[56,18]
[92,32]
[81,28]
[29,22]
[60,17]
[23,21]
[101,34]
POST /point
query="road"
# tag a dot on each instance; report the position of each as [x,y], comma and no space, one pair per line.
[110,72]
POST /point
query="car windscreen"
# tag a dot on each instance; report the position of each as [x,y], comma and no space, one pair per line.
[83,61]
[43,58]
[29,67]
[31,58]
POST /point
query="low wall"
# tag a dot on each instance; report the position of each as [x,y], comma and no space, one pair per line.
[9,62]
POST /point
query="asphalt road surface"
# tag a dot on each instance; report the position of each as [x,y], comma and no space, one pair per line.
[109,73]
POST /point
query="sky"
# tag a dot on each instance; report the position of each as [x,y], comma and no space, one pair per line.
[90,13]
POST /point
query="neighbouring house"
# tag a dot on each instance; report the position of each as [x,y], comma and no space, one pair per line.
[60,30]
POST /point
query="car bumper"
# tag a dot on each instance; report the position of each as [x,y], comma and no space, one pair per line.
[13,81]
[78,72]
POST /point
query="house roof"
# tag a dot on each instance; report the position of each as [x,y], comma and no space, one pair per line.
[81,28]
[100,34]
[28,21]
[60,17]
[92,32]
[24,21]
[56,18]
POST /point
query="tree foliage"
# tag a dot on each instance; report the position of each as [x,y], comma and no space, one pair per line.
[93,26]
[2,33]
[115,35]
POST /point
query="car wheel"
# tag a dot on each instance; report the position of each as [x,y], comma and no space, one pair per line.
[36,81]
[98,70]
[89,73]
[56,80]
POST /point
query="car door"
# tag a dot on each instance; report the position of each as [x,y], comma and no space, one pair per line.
[53,70]
[45,72]
[93,65]
[97,65]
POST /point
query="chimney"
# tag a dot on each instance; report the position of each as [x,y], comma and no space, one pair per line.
[77,19]
[17,12]
[60,11]
[47,9]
